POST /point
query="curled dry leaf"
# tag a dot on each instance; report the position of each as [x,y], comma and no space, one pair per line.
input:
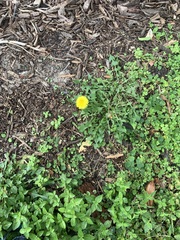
[150,188]
[149,36]
[84,145]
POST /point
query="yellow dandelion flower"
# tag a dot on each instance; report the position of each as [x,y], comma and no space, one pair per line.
[82,102]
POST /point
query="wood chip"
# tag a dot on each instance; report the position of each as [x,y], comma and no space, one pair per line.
[86,5]
[37,3]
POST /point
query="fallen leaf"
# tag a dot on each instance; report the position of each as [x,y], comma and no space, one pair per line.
[159,182]
[170,43]
[178,12]
[167,103]
[174,7]
[150,188]
[109,180]
[148,36]
[115,156]
[83,146]
[66,75]
[122,9]
[150,12]
[151,63]
[162,21]
[107,76]
[158,20]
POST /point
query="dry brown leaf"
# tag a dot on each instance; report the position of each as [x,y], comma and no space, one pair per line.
[162,21]
[122,9]
[150,188]
[178,12]
[170,43]
[66,75]
[84,145]
[174,7]
[151,63]
[150,34]
[167,103]
[157,19]
[115,156]
[109,180]
[107,76]
[150,11]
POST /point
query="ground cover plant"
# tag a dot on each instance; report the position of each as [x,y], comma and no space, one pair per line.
[132,114]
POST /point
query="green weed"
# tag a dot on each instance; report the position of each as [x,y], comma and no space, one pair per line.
[137,104]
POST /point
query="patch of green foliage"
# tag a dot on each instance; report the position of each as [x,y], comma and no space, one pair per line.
[138,103]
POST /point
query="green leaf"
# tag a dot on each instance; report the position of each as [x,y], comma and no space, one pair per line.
[6,225]
[177,237]
[129,164]
[145,38]
[88,237]
[25,230]
[73,221]
[54,236]
[147,227]
[98,199]
[16,223]
[32,236]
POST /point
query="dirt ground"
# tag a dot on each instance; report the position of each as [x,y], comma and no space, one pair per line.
[47,44]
